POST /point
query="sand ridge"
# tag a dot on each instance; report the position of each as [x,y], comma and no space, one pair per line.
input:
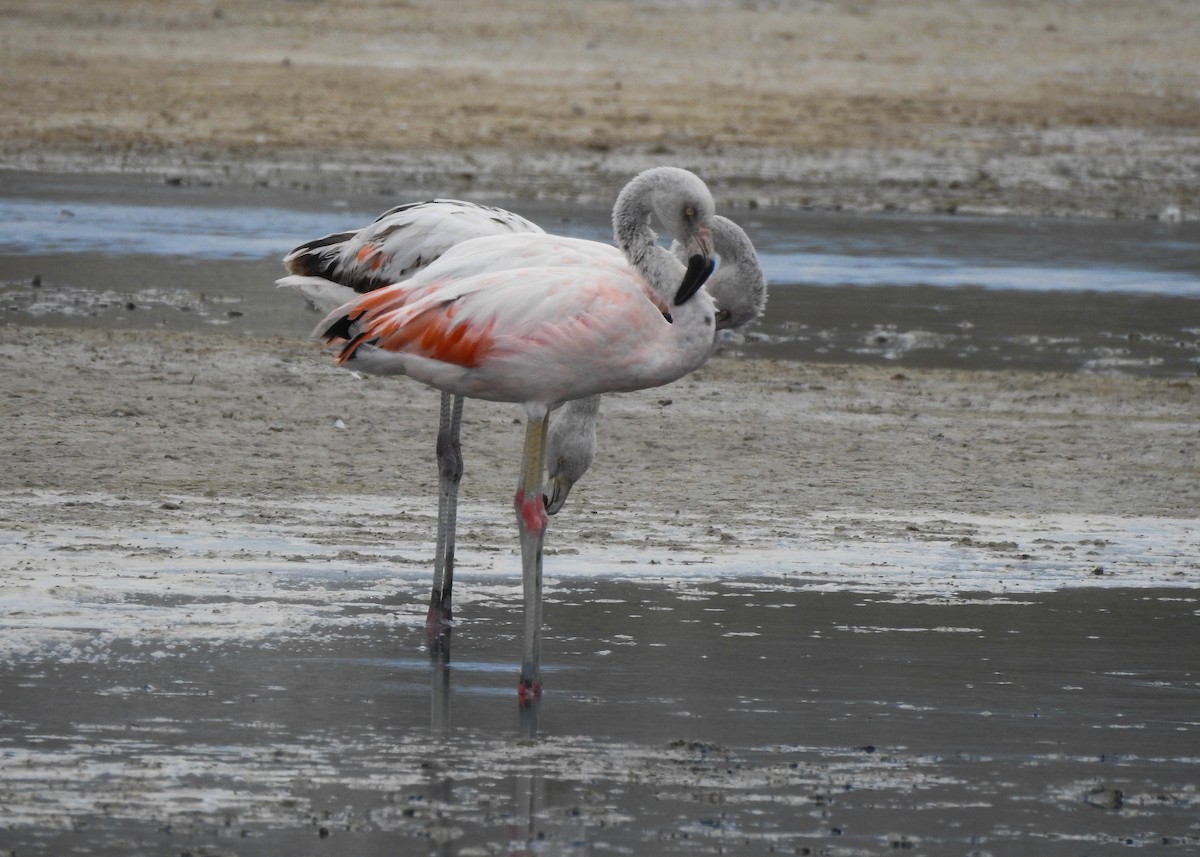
[1087,108]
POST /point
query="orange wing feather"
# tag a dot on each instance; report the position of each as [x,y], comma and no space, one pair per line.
[432,333]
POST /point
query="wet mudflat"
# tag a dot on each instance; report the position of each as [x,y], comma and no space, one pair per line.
[135,253]
[684,714]
[858,599]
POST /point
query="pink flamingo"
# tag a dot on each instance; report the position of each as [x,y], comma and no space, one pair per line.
[405,240]
[332,270]
[539,320]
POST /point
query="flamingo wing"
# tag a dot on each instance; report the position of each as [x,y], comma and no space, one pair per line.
[456,269]
[401,242]
[528,334]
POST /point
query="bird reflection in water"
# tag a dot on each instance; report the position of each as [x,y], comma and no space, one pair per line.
[528,783]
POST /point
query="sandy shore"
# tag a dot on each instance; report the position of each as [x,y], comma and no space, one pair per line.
[1087,108]
[727,459]
[1084,109]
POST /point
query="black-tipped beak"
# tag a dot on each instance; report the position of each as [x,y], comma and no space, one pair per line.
[699,268]
[698,271]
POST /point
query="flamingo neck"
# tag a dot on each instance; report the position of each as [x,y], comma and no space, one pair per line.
[659,268]
[632,232]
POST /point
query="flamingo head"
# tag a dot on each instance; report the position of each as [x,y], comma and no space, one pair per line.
[683,206]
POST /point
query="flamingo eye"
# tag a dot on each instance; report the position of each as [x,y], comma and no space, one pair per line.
[689,211]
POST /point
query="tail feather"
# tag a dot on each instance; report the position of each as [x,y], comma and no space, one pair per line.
[319,257]
[326,296]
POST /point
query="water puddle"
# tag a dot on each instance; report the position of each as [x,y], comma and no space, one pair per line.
[909,291]
[737,711]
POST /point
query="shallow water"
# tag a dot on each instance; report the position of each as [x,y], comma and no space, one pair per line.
[260,688]
[909,291]
[681,718]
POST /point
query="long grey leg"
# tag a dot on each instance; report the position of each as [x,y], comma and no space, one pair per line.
[450,470]
[531,525]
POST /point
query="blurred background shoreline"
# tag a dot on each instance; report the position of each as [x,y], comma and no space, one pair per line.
[1080,109]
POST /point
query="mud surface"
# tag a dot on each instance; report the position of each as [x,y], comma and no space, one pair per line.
[791,609]
[130,252]
[150,414]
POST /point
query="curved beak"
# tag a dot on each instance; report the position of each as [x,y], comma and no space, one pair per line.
[700,265]
[557,488]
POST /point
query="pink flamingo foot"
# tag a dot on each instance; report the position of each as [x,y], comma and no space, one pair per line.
[528,691]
